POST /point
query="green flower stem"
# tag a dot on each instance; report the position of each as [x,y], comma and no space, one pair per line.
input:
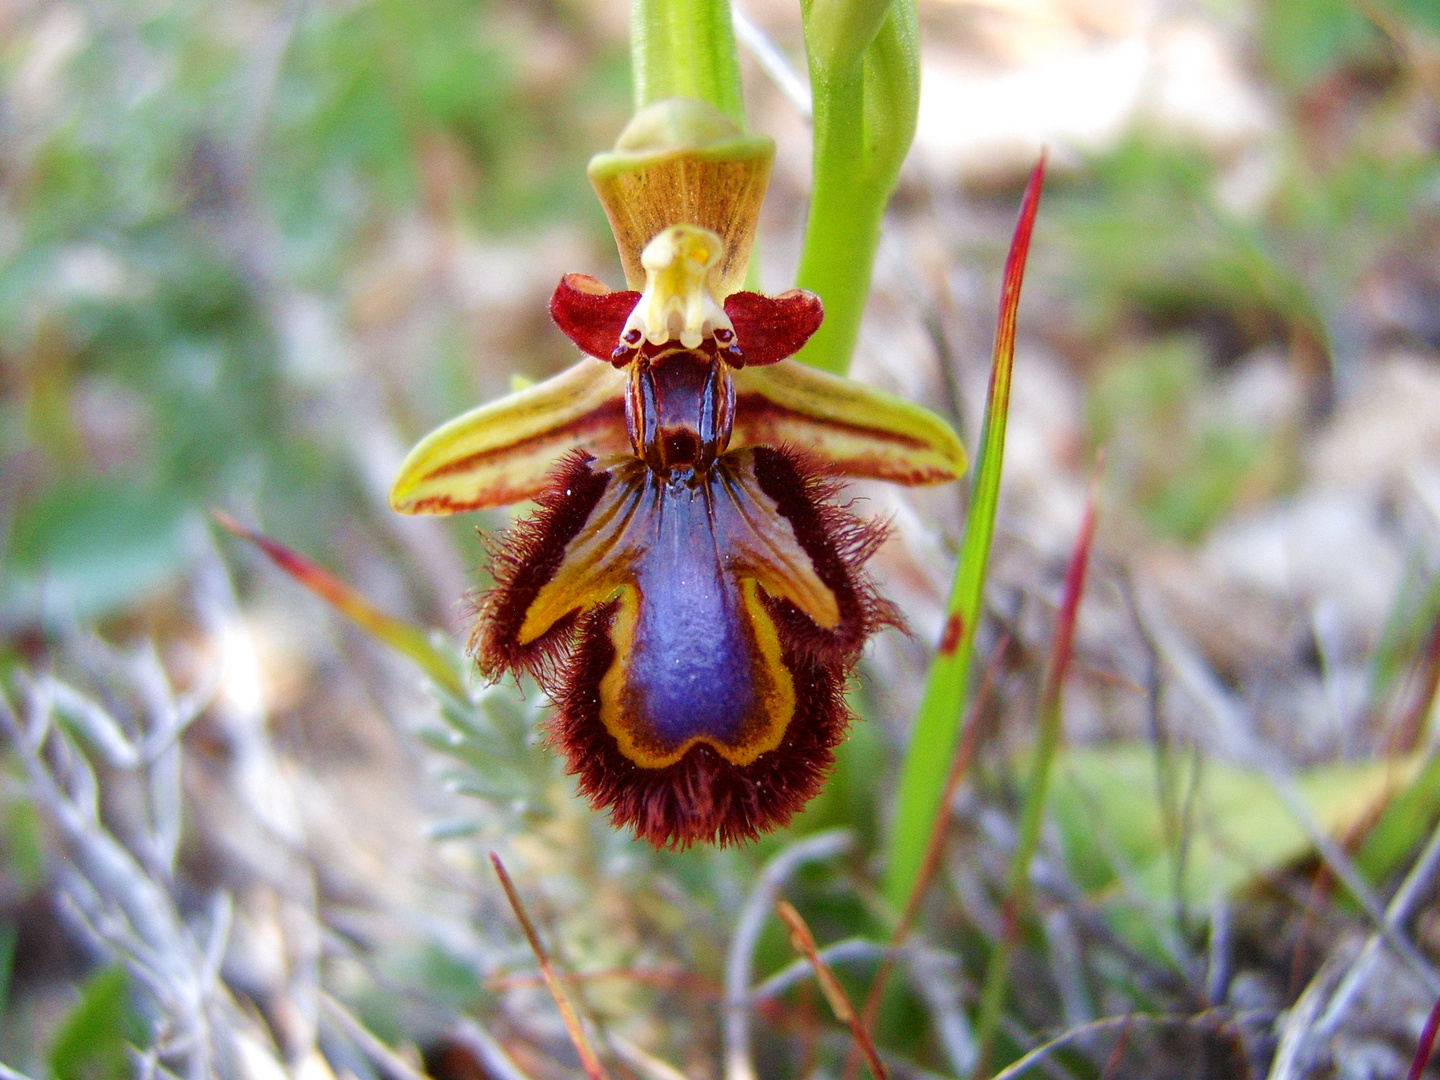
[837,32]
[686,49]
[866,93]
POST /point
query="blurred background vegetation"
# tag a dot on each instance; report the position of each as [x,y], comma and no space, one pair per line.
[207,207]
[250,251]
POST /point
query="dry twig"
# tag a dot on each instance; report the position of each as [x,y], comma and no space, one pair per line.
[740,960]
[593,1069]
[839,1001]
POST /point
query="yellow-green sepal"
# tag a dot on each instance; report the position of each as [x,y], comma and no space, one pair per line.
[501,452]
[856,429]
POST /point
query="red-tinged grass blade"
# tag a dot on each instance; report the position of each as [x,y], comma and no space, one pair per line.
[1426,1048]
[958,769]
[965,753]
[401,636]
[1397,829]
[1426,680]
[937,724]
[1032,814]
[804,943]
[593,1069]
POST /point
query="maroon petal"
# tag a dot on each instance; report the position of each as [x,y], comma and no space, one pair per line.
[770,328]
[591,314]
[704,797]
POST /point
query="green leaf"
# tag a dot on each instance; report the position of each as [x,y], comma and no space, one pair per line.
[1032,815]
[1238,827]
[9,935]
[1402,826]
[93,1042]
[22,842]
[87,549]
[1414,614]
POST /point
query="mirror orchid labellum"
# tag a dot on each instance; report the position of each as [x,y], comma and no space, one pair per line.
[688,591]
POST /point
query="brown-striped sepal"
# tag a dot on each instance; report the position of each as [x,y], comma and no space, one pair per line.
[855,429]
[502,452]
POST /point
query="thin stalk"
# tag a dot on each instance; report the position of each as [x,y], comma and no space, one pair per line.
[1414,723]
[1037,791]
[1426,1046]
[588,1059]
[866,101]
[685,48]
[401,636]
[840,1004]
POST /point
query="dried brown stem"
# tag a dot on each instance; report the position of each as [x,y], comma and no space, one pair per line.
[840,1005]
[593,1069]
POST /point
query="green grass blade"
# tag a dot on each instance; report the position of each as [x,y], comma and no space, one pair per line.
[937,724]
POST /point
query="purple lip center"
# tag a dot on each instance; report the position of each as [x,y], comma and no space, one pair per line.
[693,655]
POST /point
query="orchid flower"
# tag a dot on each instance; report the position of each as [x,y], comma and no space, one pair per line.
[688,592]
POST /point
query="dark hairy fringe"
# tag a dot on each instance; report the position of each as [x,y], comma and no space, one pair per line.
[702,798]
[524,559]
[838,543]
